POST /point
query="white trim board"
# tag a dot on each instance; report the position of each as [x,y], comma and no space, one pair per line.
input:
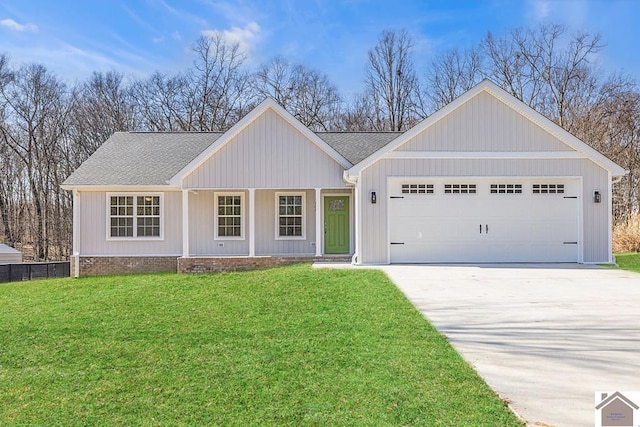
[485,155]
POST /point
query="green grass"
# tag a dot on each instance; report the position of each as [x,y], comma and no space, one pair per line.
[288,346]
[629,261]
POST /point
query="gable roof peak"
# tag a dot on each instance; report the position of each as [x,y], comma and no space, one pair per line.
[510,101]
[267,104]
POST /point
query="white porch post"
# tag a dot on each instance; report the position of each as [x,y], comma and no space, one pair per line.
[252,222]
[319,227]
[185,223]
[76,233]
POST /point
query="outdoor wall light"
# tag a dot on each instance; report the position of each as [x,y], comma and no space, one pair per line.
[374,198]
[597,197]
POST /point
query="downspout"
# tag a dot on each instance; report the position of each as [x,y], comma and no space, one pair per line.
[76,233]
[185,223]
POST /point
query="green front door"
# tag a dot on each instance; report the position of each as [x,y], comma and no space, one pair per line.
[336,225]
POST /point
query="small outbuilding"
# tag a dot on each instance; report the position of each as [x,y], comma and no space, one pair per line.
[9,255]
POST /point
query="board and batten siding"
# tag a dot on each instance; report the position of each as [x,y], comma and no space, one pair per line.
[484,123]
[202,225]
[374,247]
[266,242]
[268,153]
[93,228]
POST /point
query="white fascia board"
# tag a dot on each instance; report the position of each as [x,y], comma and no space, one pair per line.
[268,103]
[488,86]
[485,155]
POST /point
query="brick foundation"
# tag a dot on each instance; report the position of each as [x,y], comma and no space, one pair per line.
[99,266]
[218,264]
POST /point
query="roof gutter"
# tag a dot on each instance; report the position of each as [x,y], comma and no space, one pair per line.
[116,187]
[348,178]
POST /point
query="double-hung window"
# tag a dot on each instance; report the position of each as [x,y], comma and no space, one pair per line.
[290,223]
[134,216]
[229,216]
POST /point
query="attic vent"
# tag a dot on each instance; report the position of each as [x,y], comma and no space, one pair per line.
[548,188]
[417,188]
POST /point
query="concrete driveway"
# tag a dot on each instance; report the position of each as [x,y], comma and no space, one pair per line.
[545,337]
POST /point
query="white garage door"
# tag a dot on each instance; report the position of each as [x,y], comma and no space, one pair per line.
[483,220]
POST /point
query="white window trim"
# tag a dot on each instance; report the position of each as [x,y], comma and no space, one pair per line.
[215,215]
[304,215]
[135,237]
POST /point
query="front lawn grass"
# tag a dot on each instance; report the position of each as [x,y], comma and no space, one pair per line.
[287,346]
[629,261]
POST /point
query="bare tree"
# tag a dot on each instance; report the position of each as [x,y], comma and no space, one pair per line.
[216,85]
[306,93]
[159,103]
[538,68]
[452,73]
[35,107]
[391,82]
[101,106]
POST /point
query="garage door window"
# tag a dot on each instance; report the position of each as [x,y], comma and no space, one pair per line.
[506,188]
[548,188]
[417,188]
[459,189]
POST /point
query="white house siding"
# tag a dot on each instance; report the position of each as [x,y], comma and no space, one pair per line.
[268,153]
[484,123]
[93,228]
[266,242]
[202,227]
[374,247]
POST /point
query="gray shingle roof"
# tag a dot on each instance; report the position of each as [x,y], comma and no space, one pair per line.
[141,158]
[152,158]
[357,146]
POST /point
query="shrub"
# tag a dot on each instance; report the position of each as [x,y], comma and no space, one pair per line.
[626,235]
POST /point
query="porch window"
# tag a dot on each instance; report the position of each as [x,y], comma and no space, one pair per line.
[134,216]
[290,224]
[229,216]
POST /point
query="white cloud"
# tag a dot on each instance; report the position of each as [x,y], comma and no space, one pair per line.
[246,37]
[541,9]
[13,25]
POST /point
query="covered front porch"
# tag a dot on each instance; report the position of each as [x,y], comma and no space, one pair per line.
[226,226]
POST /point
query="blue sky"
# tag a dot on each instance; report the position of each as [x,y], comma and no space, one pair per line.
[136,37]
